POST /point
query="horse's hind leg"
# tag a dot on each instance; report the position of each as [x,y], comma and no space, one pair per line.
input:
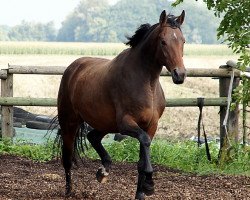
[68,141]
[95,138]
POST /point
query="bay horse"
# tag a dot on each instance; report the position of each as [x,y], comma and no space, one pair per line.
[122,95]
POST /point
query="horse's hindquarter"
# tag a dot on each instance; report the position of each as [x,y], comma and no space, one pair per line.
[89,94]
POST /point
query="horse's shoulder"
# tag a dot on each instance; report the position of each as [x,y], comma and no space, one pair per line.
[160,100]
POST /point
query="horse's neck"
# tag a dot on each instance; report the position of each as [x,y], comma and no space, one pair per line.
[148,65]
[136,67]
[147,51]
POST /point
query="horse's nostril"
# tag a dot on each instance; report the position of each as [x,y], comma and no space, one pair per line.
[176,73]
[177,76]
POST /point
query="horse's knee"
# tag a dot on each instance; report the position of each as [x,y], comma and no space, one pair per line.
[91,137]
[94,136]
[144,139]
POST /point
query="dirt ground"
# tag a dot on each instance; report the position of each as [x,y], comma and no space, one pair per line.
[21,178]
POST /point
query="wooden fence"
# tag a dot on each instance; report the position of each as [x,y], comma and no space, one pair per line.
[7,101]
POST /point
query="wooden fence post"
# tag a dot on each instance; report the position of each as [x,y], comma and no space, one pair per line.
[7,111]
[230,137]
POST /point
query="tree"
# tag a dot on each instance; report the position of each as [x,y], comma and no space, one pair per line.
[199,27]
[28,31]
[234,29]
[50,31]
[69,25]
[125,16]
[4,33]
[86,22]
[200,23]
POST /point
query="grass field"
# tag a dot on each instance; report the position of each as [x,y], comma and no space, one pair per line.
[175,122]
[101,49]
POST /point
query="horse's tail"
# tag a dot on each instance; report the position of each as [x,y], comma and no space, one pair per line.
[54,124]
[80,144]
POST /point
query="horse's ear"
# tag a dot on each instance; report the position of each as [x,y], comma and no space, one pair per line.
[180,19]
[163,18]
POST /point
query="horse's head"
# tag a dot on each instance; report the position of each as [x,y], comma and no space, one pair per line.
[170,45]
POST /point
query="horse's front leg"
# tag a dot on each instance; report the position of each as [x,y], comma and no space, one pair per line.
[145,184]
[95,138]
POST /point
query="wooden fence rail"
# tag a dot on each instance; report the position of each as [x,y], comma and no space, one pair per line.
[58,70]
[7,101]
[170,102]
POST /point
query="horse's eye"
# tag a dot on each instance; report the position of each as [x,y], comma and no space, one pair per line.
[163,42]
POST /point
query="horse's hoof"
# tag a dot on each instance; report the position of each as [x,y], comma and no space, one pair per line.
[67,193]
[68,190]
[148,187]
[140,196]
[148,192]
[102,175]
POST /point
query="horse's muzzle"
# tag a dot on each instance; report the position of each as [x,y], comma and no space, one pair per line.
[178,75]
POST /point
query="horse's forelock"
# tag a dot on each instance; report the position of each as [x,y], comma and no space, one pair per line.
[171,20]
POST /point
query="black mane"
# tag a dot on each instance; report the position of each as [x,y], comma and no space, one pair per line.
[145,29]
[139,34]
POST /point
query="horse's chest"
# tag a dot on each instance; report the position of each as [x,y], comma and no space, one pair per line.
[151,111]
[146,111]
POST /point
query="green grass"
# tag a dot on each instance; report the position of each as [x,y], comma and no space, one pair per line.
[184,156]
[41,152]
[97,49]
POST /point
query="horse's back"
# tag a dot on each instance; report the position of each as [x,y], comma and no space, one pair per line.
[85,64]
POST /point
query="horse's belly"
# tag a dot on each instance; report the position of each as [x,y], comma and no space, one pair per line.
[102,118]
